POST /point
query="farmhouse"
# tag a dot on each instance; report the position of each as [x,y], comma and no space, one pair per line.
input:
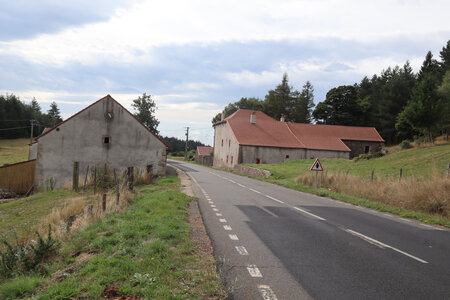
[104,133]
[203,155]
[253,137]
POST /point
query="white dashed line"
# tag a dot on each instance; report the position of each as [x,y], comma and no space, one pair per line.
[215,209]
[254,271]
[227,227]
[241,185]
[218,214]
[266,292]
[274,199]
[382,245]
[212,205]
[241,250]
[258,192]
[232,181]
[308,213]
[233,237]
[222,220]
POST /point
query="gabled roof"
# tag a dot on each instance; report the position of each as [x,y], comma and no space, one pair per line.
[272,133]
[86,108]
[204,151]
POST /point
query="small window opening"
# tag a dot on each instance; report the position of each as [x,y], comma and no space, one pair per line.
[366,149]
[287,156]
[229,143]
[258,161]
[227,158]
[222,142]
[231,159]
[106,140]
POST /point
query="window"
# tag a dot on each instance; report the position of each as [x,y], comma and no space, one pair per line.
[222,142]
[366,149]
[287,155]
[106,139]
[258,161]
[231,159]
[229,143]
[227,158]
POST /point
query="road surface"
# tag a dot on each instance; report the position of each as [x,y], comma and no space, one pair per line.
[275,243]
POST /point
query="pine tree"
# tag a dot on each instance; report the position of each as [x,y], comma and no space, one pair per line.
[304,104]
[280,101]
[445,57]
[430,66]
[53,115]
[146,108]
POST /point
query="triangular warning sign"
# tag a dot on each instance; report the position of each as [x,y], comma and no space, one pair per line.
[317,166]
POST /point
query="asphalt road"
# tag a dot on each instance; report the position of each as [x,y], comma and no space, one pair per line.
[275,243]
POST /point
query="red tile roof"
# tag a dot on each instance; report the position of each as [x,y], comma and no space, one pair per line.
[204,151]
[272,133]
[107,96]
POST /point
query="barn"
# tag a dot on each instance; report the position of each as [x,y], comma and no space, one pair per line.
[102,134]
[253,137]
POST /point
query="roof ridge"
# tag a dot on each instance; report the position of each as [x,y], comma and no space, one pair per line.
[287,125]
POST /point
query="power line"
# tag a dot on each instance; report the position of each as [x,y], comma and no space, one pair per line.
[15,128]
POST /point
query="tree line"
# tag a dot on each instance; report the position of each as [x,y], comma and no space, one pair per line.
[398,102]
[16,117]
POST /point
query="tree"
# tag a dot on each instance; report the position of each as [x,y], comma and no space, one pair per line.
[423,110]
[340,107]
[304,104]
[445,57]
[53,115]
[444,92]
[244,103]
[146,107]
[280,101]
[430,66]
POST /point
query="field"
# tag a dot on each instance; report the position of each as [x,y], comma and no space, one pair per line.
[142,250]
[12,151]
[423,193]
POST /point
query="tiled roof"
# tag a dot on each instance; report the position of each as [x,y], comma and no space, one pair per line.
[272,133]
[204,151]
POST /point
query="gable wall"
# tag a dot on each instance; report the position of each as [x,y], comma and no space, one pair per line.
[229,148]
[358,147]
[81,139]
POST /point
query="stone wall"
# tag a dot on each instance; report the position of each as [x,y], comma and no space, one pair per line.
[359,147]
[251,171]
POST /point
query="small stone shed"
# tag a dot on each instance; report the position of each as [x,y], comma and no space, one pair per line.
[253,137]
[104,133]
[203,155]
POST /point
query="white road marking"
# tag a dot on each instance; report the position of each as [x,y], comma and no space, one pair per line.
[219,215]
[268,211]
[212,205]
[241,185]
[258,192]
[308,213]
[382,245]
[215,209]
[254,271]
[274,199]
[227,227]
[210,202]
[241,250]
[233,237]
[222,220]
[232,181]
[266,292]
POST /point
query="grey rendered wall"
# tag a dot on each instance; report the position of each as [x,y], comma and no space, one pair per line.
[269,155]
[311,153]
[32,151]
[81,139]
[229,148]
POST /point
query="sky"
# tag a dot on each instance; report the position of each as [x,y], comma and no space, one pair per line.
[194,57]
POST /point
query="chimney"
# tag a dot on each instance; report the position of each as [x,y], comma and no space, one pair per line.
[282,118]
[222,116]
[253,118]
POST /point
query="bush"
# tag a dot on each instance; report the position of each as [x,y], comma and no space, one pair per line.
[21,258]
[405,144]
[18,287]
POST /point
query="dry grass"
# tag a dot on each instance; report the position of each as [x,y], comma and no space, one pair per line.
[78,207]
[431,195]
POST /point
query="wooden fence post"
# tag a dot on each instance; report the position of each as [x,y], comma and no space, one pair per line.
[371,175]
[90,209]
[75,176]
[70,222]
[448,169]
[130,178]
[85,178]
[117,194]
[104,202]
[401,172]
[95,180]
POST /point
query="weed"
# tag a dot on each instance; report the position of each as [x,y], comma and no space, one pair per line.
[19,287]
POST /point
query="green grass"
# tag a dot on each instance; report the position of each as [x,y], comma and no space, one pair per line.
[21,217]
[13,151]
[19,287]
[418,162]
[144,251]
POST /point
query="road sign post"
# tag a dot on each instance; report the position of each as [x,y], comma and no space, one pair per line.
[316,167]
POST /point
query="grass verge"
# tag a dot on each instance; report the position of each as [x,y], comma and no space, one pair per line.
[144,251]
[13,150]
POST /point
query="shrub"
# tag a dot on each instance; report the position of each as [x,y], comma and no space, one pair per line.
[18,287]
[405,144]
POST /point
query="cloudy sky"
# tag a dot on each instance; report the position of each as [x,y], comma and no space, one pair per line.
[194,57]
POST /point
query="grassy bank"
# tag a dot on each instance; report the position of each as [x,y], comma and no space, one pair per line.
[12,151]
[144,251]
[422,194]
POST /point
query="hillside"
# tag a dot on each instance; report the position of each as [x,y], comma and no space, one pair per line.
[13,150]
[417,162]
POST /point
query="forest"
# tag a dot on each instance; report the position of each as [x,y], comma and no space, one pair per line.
[400,104]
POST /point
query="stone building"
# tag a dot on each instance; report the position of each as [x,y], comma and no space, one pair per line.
[104,133]
[203,155]
[253,137]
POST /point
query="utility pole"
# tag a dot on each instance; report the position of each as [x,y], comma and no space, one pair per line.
[31,135]
[186,146]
